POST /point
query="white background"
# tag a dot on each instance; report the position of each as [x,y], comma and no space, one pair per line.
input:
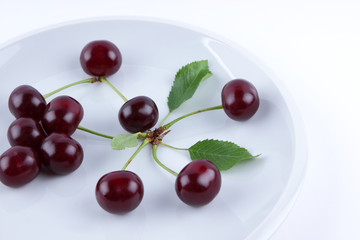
[312,46]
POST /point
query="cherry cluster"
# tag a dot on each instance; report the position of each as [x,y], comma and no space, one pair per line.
[41,136]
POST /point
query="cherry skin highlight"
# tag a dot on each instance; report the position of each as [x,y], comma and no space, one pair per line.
[62,115]
[26,101]
[100,58]
[60,153]
[18,166]
[138,114]
[240,99]
[198,183]
[119,192]
[25,132]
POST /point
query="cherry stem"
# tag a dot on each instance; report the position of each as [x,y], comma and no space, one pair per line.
[169,146]
[155,147]
[89,80]
[144,143]
[162,122]
[168,125]
[103,79]
[141,135]
[93,132]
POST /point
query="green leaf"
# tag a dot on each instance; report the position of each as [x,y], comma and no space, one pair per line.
[122,141]
[223,154]
[187,80]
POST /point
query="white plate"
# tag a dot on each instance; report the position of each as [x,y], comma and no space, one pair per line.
[255,195]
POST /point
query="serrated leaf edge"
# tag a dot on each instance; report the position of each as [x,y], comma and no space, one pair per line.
[252,156]
[209,74]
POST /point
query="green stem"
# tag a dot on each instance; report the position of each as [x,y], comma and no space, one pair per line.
[144,143]
[89,80]
[168,125]
[160,164]
[141,135]
[93,132]
[169,146]
[103,79]
[162,122]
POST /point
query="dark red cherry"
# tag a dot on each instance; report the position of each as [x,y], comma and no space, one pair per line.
[100,58]
[119,191]
[25,132]
[26,101]
[18,166]
[138,114]
[240,99]
[63,115]
[60,153]
[198,183]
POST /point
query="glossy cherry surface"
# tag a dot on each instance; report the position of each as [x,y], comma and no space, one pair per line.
[240,99]
[25,132]
[198,183]
[138,114]
[60,153]
[119,191]
[100,58]
[18,166]
[63,115]
[26,101]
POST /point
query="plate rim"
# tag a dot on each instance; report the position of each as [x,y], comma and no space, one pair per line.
[277,215]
